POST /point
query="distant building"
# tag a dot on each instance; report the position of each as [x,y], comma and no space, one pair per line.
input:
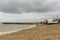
[51,21]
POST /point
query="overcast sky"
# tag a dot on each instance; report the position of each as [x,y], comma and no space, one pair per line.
[28,10]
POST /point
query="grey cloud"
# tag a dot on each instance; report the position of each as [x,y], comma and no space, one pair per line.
[19,6]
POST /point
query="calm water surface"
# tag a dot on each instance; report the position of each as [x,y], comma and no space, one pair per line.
[11,27]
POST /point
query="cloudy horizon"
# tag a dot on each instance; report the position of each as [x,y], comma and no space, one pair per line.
[28,10]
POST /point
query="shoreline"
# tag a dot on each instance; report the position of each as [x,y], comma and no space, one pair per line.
[4,33]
